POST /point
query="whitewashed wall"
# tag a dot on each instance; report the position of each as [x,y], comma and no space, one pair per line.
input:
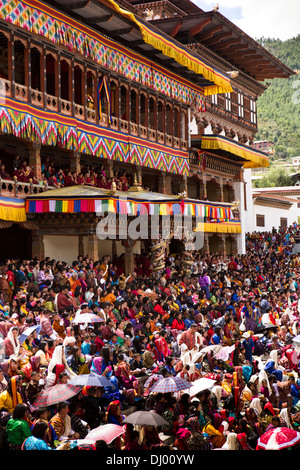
[273,215]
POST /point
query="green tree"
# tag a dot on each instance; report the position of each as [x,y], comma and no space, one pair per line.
[276,176]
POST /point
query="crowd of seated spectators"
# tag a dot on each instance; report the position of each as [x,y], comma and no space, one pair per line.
[54,176]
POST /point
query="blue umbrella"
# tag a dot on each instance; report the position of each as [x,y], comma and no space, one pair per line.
[92,380]
[28,332]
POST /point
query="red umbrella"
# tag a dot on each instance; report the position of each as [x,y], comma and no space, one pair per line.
[56,394]
[278,438]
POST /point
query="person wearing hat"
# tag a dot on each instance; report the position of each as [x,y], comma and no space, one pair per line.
[248,345]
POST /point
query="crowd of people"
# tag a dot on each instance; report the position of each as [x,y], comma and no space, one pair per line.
[232,319]
[59,176]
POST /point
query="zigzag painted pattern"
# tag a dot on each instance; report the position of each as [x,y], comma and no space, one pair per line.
[26,126]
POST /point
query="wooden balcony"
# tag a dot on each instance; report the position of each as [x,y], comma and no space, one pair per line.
[88,113]
[16,189]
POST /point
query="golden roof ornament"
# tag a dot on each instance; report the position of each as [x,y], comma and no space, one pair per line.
[135,186]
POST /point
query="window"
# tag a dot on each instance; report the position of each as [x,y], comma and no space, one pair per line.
[227,102]
[253,111]
[214,99]
[260,220]
[283,222]
[241,105]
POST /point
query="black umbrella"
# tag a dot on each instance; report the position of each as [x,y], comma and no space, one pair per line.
[261,328]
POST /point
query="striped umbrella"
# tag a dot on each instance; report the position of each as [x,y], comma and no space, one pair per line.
[170,384]
[56,394]
[152,380]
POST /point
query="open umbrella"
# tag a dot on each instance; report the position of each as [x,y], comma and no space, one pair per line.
[200,385]
[28,332]
[268,326]
[92,380]
[56,394]
[146,417]
[87,318]
[106,432]
[152,380]
[170,384]
[278,438]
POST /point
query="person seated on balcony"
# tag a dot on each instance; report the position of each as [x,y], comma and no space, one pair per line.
[49,171]
[87,178]
[45,181]
[61,180]
[17,162]
[3,173]
[26,174]
[69,181]
[124,181]
[74,177]
[80,179]
[101,182]
[93,178]
[45,164]
[102,170]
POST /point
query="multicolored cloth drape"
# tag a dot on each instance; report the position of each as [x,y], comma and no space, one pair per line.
[132,207]
[28,122]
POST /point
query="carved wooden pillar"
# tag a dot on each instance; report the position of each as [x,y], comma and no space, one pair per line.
[162,183]
[223,244]
[110,169]
[92,246]
[35,160]
[75,162]
[202,188]
[80,245]
[129,257]
[38,248]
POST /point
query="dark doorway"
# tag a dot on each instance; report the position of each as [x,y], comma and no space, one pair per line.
[15,243]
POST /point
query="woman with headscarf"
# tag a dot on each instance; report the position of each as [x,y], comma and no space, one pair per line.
[271,366]
[11,342]
[231,442]
[217,391]
[285,418]
[104,366]
[181,438]
[256,404]
[57,365]
[113,413]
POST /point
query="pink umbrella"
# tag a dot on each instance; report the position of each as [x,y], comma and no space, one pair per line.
[106,432]
[278,438]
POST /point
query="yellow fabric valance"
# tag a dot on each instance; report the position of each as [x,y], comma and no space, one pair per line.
[255,158]
[221,83]
[12,209]
[220,227]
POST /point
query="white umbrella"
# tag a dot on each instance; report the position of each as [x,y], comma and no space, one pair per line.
[28,332]
[224,353]
[200,385]
[86,318]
